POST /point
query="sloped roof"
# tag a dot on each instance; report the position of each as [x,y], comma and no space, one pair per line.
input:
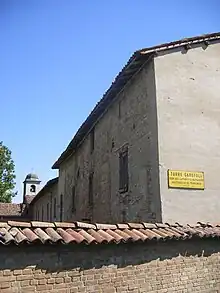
[10,209]
[134,64]
[12,232]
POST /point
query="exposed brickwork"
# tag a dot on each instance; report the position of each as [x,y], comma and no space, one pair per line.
[186,266]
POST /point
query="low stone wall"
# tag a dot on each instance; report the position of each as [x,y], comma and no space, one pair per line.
[172,266]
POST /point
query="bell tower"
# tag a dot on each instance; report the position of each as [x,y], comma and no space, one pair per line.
[31,185]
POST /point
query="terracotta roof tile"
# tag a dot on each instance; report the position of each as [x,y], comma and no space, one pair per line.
[117,238]
[122,226]
[66,236]
[10,209]
[79,232]
[64,224]
[78,238]
[106,236]
[42,224]
[89,238]
[136,225]
[54,236]
[18,224]
[99,238]
[31,236]
[106,226]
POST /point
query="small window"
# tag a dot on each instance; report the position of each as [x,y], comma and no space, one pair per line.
[61,208]
[33,188]
[92,140]
[91,190]
[119,109]
[73,199]
[48,211]
[54,208]
[123,171]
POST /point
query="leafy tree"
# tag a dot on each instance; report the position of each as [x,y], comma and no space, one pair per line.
[7,174]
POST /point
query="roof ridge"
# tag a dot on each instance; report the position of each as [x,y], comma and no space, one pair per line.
[34,232]
[103,226]
[181,42]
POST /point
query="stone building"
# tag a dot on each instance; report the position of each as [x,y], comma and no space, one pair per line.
[45,205]
[150,149]
[79,257]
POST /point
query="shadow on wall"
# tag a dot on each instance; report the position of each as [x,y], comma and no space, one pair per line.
[82,257]
[154,190]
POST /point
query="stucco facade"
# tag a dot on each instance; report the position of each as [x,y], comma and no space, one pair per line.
[188,108]
[166,116]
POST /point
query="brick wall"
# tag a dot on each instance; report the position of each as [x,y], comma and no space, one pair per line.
[173,266]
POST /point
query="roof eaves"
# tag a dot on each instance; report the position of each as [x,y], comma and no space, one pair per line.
[180,43]
[133,65]
[87,233]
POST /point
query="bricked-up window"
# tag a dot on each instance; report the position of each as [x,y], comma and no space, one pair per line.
[61,208]
[55,208]
[123,170]
[91,189]
[92,140]
[48,211]
[73,199]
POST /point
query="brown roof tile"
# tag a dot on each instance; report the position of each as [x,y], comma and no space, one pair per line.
[10,209]
[78,232]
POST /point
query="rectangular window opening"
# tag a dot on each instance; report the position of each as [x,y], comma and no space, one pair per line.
[91,190]
[61,208]
[123,171]
[54,208]
[73,199]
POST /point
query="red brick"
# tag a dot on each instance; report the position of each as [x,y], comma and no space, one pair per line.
[7,273]
[59,280]
[25,283]
[44,287]
[4,285]
[24,277]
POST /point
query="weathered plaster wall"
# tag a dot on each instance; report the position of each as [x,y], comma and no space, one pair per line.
[130,121]
[43,208]
[188,107]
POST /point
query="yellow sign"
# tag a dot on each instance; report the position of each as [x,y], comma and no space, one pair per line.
[186,179]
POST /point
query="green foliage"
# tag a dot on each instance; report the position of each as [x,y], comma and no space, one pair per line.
[7,174]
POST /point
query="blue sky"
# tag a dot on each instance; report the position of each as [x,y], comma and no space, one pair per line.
[57,58]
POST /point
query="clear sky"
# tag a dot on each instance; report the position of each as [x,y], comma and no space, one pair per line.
[57,58]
